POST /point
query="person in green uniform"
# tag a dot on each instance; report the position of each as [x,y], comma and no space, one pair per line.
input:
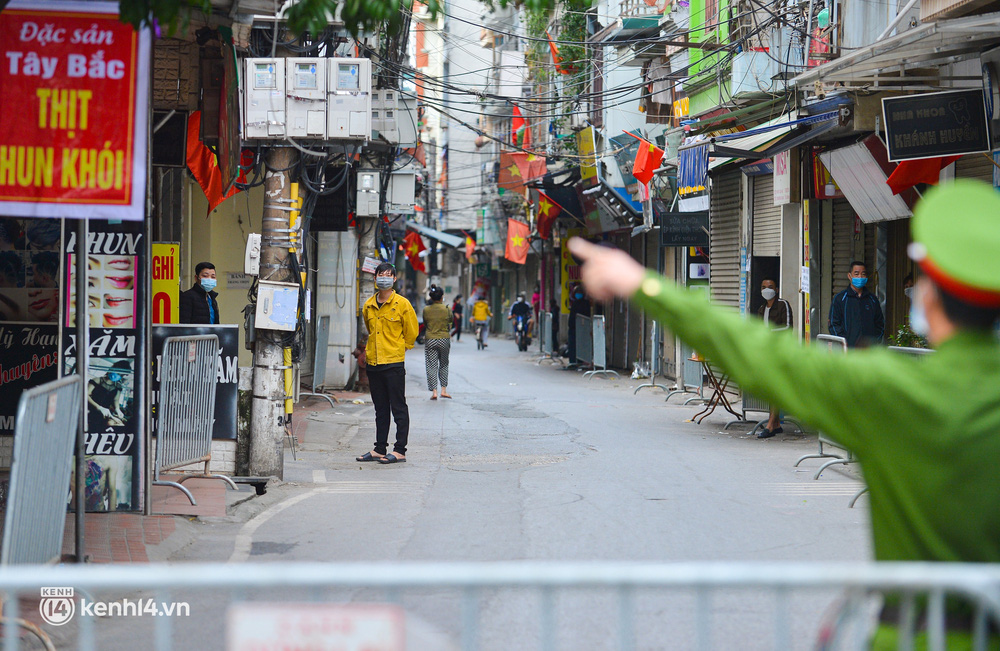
[928,437]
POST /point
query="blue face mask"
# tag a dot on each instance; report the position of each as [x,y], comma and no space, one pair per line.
[578,295]
[115,377]
[859,282]
[918,319]
[208,284]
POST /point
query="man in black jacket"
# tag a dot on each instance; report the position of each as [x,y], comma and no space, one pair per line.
[855,313]
[198,304]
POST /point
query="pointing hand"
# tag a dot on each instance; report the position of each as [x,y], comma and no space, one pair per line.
[607,272]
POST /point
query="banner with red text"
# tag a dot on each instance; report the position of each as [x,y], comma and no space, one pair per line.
[74,96]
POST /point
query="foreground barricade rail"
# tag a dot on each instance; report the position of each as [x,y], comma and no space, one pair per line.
[545,603]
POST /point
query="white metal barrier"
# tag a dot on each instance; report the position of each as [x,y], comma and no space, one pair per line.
[546,346]
[188,375]
[47,421]
[542,604]
[833,344]
[655,361]
[599,349]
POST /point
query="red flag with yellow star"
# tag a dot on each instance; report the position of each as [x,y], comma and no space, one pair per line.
[517,241]
[470,247]
[548,210]
[413,245]
[513,172]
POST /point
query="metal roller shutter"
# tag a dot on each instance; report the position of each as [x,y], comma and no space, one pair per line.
[843,242]
[766,218]
[724,252]
[974,166]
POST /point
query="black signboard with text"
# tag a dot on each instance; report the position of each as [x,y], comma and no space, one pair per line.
[936,124]
[681,228]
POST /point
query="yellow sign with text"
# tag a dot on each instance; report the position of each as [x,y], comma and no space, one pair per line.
[166,282]
[570,269]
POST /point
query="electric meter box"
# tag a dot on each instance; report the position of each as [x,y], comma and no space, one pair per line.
[400,198]
[385,109]
[264,98]
[305,103]
[349,109]
[406,121]
[277,306]
[369,190]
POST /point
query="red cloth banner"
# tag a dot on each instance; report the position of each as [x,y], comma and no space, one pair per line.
[413,245]
[74,94]
[205,166]
[518,240]
[911,172]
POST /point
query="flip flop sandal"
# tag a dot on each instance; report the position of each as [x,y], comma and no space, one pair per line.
[448,397]
[434,397]
[391,458]
[368,456]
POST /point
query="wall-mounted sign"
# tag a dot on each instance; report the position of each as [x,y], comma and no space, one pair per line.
[681,228]
[74,95]
[936,124]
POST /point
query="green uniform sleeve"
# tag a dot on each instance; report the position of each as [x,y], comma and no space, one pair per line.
[828,390]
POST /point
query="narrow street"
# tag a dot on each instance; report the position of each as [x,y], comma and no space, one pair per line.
[531,462]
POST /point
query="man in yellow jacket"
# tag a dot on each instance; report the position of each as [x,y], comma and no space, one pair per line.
[392,329]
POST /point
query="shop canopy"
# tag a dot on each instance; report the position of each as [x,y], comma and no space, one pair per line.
[885,63]
[443,238]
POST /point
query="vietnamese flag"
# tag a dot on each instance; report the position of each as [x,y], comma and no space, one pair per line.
[205,166]
[647,159]
[413,245]
[548,210]
[514,170]
[911,172]
[518,234]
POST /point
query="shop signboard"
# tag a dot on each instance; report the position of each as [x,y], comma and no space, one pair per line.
[117,290]
[166,282]
[681,228]
[74,96]
[936,124]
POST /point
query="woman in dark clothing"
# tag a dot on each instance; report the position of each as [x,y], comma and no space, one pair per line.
[198,304]
[456,311]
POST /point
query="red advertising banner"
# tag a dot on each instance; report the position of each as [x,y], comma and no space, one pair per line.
[74,96]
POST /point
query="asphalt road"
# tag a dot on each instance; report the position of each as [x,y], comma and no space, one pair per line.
[531,462]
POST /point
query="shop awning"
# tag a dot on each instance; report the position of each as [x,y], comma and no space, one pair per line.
[443,238]
[862,178]
[931,44]
[768,139]
[625,28]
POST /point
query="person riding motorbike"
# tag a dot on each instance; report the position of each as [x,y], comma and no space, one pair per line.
[522,310]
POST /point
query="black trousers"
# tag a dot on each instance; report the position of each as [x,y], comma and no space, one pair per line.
[388,395]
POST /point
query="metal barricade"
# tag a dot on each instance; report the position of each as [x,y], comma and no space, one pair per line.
[48,417]
[599,349]
[833,344]
[535,605]
[584,340]
[546,347]
[319,362]
[188,374]
[692,377]
[655,358]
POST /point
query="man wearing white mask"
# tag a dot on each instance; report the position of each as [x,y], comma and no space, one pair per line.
[777,313]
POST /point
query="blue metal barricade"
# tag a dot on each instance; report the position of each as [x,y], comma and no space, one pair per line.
[48,417]
[188,374]
[599,349]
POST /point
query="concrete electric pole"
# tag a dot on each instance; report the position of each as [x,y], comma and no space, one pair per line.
[268,423]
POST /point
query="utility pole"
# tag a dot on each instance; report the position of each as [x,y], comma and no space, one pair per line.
[268,423]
